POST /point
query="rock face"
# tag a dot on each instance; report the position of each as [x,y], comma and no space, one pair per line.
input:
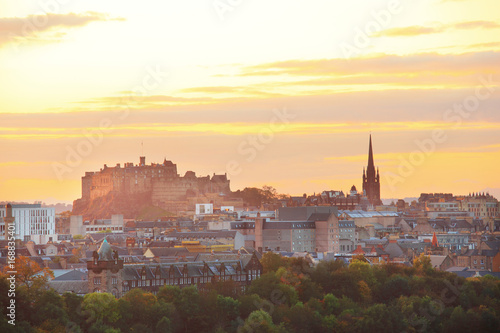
[112,203]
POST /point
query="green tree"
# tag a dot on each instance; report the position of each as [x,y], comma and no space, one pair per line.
[271,262]
[100,310]
[268,286]
[259,321]
[164,326]
[136,306]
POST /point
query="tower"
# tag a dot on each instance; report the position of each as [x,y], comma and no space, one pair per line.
[9,220]
[105,271]
[371,181]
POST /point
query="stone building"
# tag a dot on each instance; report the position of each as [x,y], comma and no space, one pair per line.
[107,273]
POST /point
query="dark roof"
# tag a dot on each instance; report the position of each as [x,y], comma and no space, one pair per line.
[394,250]
[472,273]
[111,237]
[193,269]
[493,244]
[160,244]
[303,213]
[74,275]
[319,217]
[78,287]
[54,265]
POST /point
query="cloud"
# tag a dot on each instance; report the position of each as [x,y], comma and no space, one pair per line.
[471,62]
[418,30]
[45,27]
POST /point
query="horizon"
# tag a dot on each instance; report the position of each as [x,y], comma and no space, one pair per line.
[286,98]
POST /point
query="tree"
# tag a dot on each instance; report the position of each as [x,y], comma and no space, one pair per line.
[164,326]
[259,321]
[269,194]
[272,261]
[227,310]
[30,274]
[100,309]
[73,307]
[331,304]
[423,264]
[137,307]
[268,286]
[169,294]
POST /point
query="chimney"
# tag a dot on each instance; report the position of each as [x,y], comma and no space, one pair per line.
[30,246]
[142,160]
[64,263]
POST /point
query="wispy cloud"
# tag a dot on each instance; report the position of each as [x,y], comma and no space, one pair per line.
[417,30]
[47,27]
[472,62]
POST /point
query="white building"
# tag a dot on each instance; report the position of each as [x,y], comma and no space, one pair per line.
[32,223]
[79,227]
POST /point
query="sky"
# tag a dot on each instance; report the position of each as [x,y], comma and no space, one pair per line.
[284,93]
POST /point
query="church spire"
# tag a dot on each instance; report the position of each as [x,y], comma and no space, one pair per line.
[370,171]
[371,180]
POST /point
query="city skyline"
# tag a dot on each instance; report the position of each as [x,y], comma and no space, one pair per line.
[284,94]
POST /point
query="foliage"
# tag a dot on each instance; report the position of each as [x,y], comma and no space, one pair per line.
[290,297]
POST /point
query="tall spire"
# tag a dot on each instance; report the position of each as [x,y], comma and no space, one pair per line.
[371,181]
[370,171]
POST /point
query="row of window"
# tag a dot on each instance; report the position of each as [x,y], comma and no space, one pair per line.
[127,285]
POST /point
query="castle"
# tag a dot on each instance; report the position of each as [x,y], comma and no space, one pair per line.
[155,184]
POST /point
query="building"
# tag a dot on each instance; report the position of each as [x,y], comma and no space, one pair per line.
[107,273]
[79,227]
[300,229]
[481,205]
[209,239]
[32,222]
[371,181]
[155,184]
[451,240]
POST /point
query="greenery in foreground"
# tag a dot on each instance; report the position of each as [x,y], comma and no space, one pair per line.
[289,297]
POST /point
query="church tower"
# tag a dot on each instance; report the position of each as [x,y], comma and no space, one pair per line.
[371,181]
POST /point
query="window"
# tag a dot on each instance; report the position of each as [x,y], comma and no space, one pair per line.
[114,280]
[97,280]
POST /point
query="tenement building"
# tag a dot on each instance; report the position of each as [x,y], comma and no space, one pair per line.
[107,273]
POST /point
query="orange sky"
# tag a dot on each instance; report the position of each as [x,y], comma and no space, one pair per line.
[283,93]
